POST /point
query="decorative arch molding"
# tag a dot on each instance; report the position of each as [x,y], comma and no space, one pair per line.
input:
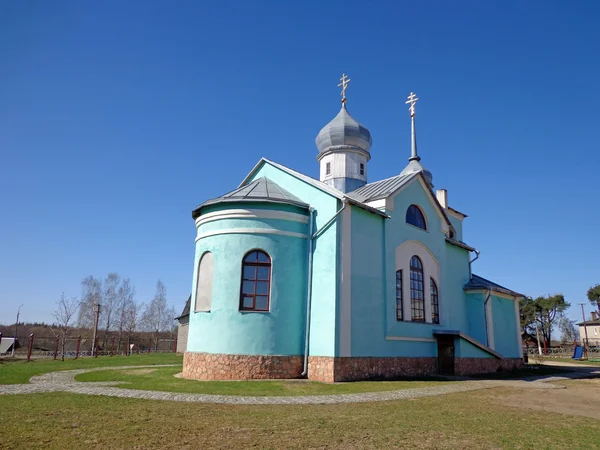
[431,269]
[204,283]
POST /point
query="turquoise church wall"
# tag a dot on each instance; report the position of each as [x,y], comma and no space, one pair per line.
[456,275]
[227,330]
[476,316]
[326,277]
[505,327]
[458,227]
[375,330]
[464,349]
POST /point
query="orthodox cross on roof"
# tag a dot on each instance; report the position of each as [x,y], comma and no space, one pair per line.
[344,85]
[412,100]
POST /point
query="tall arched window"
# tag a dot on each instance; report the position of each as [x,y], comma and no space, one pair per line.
[204,283]
[417,291]
[415,217]
[435,302]
[256,281]
[399,315]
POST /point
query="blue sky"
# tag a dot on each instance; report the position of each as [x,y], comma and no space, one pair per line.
[118,118]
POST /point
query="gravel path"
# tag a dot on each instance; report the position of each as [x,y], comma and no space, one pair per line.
[64,381]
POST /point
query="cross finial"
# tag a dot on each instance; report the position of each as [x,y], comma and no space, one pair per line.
[344,85]
[412,100]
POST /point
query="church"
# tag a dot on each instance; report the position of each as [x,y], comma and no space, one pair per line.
[341,278]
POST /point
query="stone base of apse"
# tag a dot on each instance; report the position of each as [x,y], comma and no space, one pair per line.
[475,366]
[211,366]
[329,369]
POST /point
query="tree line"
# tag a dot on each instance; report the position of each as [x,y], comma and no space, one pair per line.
[541,315]
[112,302]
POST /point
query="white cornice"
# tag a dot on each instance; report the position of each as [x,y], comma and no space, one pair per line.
[251,214]
[250,231]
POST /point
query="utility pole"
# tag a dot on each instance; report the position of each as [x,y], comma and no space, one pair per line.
[12,353]
[96,317]
[537,336]
[585,344]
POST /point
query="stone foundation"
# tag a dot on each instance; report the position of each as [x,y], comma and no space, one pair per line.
[475,366]
[210,366]
[329,369]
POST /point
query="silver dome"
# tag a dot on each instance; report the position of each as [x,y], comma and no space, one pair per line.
[343,132]
[415,166]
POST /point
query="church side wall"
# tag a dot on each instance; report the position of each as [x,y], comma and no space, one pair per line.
[456,275]
[326,276]
[476,316]
[505,327]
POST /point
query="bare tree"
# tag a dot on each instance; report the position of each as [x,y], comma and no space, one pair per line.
[66,308]
[157,317]
[110,300]
[91,295]
[127,308]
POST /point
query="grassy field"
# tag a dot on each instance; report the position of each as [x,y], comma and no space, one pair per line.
[163,379]
[473,420]
[567,360]
[20,371]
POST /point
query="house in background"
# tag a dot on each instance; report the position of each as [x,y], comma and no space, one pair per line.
[341,279]
[593,330]
[183,326]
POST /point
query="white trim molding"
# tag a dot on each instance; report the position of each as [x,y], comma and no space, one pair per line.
[410,339]
[251,214]
[346,284]
[431,269]
[518,323]
[490,323]
[251,231]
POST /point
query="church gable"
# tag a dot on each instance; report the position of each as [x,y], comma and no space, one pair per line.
[416,192]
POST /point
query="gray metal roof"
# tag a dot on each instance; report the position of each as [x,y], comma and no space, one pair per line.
[382,188]
[315,183]
[415,166]
[186,309]
[478,282]
[261,189]
[343,132]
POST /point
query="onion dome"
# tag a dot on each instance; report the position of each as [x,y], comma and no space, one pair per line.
[344,133]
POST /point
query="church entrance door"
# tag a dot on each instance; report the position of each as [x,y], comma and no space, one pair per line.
[445,355]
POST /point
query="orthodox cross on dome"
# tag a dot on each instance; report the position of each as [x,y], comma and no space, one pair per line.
[344,85]
[412,100]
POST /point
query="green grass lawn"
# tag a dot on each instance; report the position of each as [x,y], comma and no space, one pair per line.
[472,420]
[20,371]
[566,360]
[163,379]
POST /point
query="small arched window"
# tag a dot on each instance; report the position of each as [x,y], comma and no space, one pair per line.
[435,302]
[204,283]
[399,315]
[417,291]
[256,281]
[414,216]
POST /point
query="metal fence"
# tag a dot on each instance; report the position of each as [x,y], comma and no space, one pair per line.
[565,351]
[75,347]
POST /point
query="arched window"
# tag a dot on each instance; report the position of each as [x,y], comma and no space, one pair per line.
[415,217]
[399,295]
[204,283]
[435,302]
[256,281]
[417,291]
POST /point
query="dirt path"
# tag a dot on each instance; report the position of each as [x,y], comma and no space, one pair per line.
[578,398]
